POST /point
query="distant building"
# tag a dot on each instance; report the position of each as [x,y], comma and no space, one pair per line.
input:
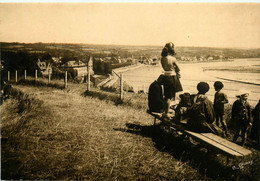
[56,60]
[132,60]
[44,67]
[80,67]
[210,58]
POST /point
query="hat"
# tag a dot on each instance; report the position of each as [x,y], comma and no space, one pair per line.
[185,94]
[203,87]
[218,85]
[242,93]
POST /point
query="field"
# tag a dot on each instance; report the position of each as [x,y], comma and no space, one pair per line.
[68,134]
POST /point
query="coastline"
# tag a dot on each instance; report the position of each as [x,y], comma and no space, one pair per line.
[212,61]
[113,78]
[192,73]
[127,68]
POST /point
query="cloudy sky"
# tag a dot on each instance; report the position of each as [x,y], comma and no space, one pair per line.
[185,24]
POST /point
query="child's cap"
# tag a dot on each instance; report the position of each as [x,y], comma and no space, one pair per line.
[218,85]
[185,94]
[242,93]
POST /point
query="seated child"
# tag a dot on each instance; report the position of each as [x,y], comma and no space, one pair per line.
[202,113]
[182,107]
[155,96]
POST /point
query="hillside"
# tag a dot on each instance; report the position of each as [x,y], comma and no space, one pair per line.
[49,133]
[126,51]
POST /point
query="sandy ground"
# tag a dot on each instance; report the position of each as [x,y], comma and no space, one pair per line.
[192,74]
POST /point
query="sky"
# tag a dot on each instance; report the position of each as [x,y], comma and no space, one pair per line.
[184,24]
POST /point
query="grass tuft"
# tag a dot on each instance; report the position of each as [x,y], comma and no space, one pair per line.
[40,83]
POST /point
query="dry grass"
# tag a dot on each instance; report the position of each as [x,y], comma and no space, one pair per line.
[62,135]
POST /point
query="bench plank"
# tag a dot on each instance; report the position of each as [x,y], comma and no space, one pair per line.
[227,143]
[213,144]
[208,139]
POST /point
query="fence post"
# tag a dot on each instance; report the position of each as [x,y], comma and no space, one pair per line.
[66,77]
[36,75]
[8,76]
[49,77]
[88,83]
[16,76]
[24,74]
[121,86]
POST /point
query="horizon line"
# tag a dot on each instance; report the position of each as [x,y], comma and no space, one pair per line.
[197,46]
[129,1]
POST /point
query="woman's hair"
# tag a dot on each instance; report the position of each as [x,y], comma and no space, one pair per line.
[168,50]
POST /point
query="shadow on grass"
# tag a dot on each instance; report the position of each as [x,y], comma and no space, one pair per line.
[39,83]
[132,100]
[211,164]
[105,96]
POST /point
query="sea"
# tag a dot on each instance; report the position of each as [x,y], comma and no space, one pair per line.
[194,72]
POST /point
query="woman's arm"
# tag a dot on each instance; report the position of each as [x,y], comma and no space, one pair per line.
[176,67]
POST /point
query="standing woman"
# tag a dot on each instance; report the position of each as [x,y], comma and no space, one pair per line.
[171,80]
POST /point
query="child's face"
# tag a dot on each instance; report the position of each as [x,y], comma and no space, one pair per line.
[216,89]
[244,97]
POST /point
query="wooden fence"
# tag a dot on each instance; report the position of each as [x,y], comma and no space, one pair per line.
[65,79]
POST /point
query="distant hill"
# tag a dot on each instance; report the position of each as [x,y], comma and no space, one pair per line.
[126,51]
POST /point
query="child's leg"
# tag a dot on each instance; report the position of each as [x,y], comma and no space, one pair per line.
[217,119]
[236,135]
[244,134]
[224,124]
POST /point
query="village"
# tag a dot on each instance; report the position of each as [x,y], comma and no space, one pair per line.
[55,58]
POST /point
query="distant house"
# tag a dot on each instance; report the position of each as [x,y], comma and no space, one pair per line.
[80,67]
[132,60]
[210,58]
[115,60]
[99,59]
[44,67]
[145,60]
[56,60]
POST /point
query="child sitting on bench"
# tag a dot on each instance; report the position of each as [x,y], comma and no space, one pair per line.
[202,113]
[155,96]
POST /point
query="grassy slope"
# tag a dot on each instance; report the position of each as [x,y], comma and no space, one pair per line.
[64,135]
[72,137]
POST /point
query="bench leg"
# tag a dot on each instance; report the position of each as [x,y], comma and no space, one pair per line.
[228,160]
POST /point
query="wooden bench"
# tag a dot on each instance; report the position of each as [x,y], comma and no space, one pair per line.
[209,140]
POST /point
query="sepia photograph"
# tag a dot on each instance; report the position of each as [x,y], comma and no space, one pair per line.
[130,90]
